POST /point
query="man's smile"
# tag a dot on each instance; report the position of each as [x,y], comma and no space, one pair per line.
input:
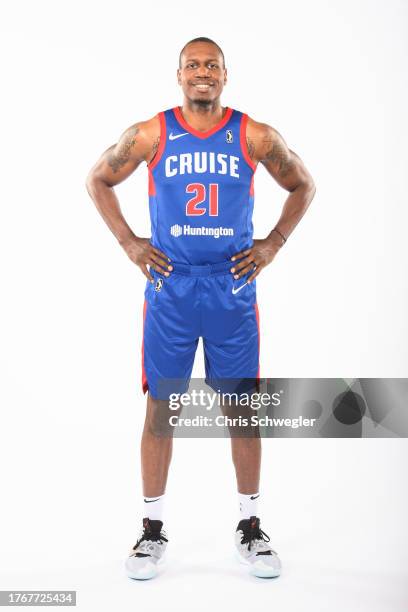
[203,86]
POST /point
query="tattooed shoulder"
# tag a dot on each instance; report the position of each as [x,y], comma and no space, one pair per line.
[278,153]
[121,153]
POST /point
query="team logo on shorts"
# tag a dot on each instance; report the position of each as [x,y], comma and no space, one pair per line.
[159,284]
[228,136]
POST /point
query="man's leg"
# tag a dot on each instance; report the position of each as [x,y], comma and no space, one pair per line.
[170,336]
[171,329]
[156,450]
[246,456]
[252,544]
[245,447]
[156,447]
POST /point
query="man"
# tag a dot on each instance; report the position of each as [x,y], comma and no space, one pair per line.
[201,264]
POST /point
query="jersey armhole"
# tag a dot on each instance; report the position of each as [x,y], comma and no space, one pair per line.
[153,163]
[243,142]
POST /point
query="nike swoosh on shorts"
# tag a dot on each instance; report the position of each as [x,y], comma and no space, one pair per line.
[235,290]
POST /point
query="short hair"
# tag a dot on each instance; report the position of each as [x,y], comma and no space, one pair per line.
[202,39]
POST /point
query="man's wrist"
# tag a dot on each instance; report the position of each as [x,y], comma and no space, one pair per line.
[126,237]
[277,238]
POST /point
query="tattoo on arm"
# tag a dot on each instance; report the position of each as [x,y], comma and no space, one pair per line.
[251,148]
[116,162]
[154,149]
[281,156]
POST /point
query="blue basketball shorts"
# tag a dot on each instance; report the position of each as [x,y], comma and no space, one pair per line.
[199,301]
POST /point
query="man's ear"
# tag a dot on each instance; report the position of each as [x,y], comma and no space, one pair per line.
[225,76]
[178,76]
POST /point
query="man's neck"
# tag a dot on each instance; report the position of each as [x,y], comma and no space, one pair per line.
[202,117]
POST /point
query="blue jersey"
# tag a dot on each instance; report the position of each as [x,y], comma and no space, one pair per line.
[201,189]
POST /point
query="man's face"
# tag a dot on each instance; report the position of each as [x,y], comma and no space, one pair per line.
[202,75]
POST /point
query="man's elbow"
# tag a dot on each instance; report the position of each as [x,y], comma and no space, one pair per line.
[93,182]
[90,181]
[311,188]
[306,189]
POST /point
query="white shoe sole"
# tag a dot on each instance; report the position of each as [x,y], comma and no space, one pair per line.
[259,572]
[147,573]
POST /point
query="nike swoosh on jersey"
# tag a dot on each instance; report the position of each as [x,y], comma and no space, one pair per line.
[235,290]
[174,136]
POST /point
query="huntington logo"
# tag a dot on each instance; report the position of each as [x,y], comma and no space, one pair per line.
[176,230]
[187,230]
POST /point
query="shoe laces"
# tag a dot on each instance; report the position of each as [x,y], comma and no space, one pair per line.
[253,534]
[151,533]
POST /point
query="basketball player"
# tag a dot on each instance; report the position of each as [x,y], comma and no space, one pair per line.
[201,263]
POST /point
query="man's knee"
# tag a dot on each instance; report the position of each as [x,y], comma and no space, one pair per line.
[157,417]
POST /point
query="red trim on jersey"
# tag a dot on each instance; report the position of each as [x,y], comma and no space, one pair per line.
[145,385]
[251,187]
[152,186]
[242,139]
[162,142]
[259,342]
[189,128]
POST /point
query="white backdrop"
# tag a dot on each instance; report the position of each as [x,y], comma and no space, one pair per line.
[331,77]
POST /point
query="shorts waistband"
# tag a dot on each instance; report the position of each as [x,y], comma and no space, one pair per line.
[221,267]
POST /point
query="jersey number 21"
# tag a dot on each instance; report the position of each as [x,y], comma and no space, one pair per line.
[199,197]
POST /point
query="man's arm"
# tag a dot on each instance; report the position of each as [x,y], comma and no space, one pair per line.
[266,145]
[137,144]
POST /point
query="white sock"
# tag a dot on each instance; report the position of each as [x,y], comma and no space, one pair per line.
[248,505]
[153,507]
